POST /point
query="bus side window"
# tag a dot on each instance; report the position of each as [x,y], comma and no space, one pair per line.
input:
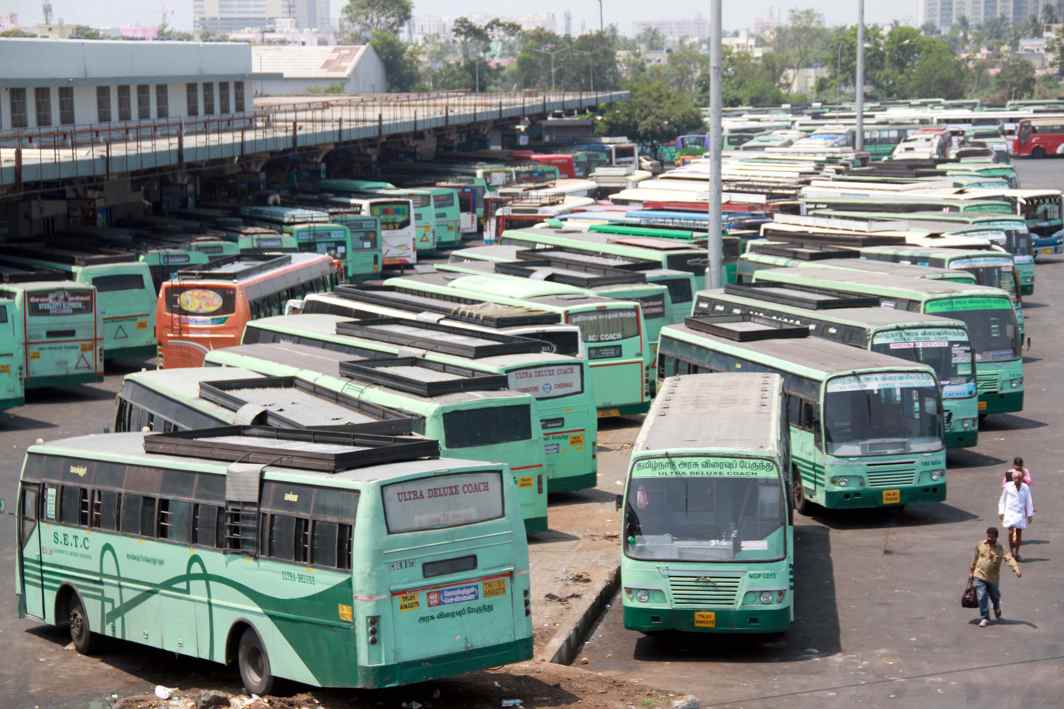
[206,525]
[74,506]
[175,520]
[104,509]
[130,513]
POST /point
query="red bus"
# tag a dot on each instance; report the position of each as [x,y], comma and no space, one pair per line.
[1039,138]
[206,308]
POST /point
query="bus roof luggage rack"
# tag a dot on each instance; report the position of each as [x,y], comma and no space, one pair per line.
[435,337]
[422,377]
[235,268]
[18,274]
[285,215]
[745,329]
[809,300]
[292,394]
[579,260]
[793,251]
[66,254]
[305,449]
[485,313]
[580,279]
[817,238]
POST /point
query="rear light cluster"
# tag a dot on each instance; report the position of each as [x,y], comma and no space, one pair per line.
[528,603]
[372,623]
[539,484]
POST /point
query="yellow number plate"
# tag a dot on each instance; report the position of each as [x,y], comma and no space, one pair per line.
[525,481]
[35,355]
[891,497]
[86,347]
[608,413]
[495,587]
[408,601]
[345,612]
[982,406]
[1047,251]
[576,440]
[705,619]
[142,324]
[5,369]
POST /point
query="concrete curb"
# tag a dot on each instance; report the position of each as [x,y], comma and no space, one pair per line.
[564,646]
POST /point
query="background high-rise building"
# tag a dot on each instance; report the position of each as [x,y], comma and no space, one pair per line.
[942,14]
[225,16]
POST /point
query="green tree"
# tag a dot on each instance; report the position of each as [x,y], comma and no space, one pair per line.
[400,61]
[84,32]
[654,114]
[1056,48]
[16,32]
[651,38]
[938,73]
[1049,14]
[474,42]
[803,41]
[364,18]
[1016,79]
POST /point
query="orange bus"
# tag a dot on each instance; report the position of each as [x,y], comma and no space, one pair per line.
[206,308]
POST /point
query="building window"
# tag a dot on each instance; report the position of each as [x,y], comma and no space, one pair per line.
[238,96]
[18,108]
[192,94]
[124,110]
[208,98]
[223,97]
[66,105]
[143,102]
[103,104]
[42,97]
[162,101]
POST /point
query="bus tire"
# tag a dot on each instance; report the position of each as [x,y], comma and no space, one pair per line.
[801,505]
[254,664]
[77,621]
[1038,153]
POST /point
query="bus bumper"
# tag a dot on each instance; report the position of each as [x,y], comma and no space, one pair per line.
[873,497]
[627,410]
[535,524]
[442,666]
[19,401]
[650,620]
[63,381]
[129,353]
[997,403]
[961,439]
[570,483]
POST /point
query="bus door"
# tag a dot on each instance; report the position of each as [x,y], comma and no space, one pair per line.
[31,587]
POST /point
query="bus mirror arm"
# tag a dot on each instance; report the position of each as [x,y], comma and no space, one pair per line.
[618,501]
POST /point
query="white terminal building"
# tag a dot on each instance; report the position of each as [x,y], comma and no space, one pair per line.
[48,83]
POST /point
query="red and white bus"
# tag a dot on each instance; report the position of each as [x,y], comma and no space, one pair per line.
[206,308]
[1039,138]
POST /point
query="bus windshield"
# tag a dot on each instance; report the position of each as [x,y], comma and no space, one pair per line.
[598,326]
[705,509]
[947,352]
[200,300]
[881,414]
[487,426]
[993,333]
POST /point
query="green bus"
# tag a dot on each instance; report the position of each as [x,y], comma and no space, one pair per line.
[665,253]
[61,331]
[988,313]
[125,295]
[707,537]
[421,202]
[316,231]
[448,217]
[865,428]
[331,559]
[564,404]
[253,238]
[773,254]
[938,342]
[164,263]
[364,258]
[613,331]
[12,354]
[470,413]
[216,248]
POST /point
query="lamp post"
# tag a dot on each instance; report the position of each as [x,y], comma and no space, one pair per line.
[716,240]
[860,76]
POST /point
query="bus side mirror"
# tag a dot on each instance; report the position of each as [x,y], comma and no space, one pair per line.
[618,501]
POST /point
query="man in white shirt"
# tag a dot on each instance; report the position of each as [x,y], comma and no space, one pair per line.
[1016,510]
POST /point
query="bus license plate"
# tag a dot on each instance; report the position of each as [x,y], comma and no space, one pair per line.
[608,413]
[891,497]
[705,619]
[525,481]
[495,587]
[576,440]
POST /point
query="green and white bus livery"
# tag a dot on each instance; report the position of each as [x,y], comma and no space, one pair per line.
[708,540]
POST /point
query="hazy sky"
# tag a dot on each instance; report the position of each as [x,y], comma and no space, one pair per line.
[622,12]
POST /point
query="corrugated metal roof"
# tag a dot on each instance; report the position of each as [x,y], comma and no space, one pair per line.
[295,62]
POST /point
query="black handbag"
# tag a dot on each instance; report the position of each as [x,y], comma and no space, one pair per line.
[970,599]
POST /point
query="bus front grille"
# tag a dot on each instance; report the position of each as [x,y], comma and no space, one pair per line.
[987,382]
[704,591]
[890,478]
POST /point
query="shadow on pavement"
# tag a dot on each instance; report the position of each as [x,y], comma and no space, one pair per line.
[815,632]
[561,499]
[1010,422]
[549,536]
[883,518]
[971,458]
[13,422]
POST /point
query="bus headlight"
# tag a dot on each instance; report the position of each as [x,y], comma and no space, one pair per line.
[937,475]
[848,481]
[967,424]
[1016,383]
[644,595]
[764,598]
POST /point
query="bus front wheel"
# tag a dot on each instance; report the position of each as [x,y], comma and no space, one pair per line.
[254,664]
[801,505]
[81,634]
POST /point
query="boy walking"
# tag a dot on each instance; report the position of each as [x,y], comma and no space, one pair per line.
[986,569]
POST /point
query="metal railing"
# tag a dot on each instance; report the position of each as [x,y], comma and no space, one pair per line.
[275,125]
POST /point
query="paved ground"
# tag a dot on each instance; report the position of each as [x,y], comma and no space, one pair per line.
[880,623]
[878,598]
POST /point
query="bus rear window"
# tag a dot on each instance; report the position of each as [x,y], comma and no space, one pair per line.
[487,426]
[443,201]
[653,306]
[119,282]
[548,382]
[443,501]
[197,300]
[606,325]
[564,342]
[419,200]
[679,290]
[60,302]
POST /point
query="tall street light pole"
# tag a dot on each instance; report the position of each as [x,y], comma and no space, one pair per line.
[716,240]
[860,75]
[602,17]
